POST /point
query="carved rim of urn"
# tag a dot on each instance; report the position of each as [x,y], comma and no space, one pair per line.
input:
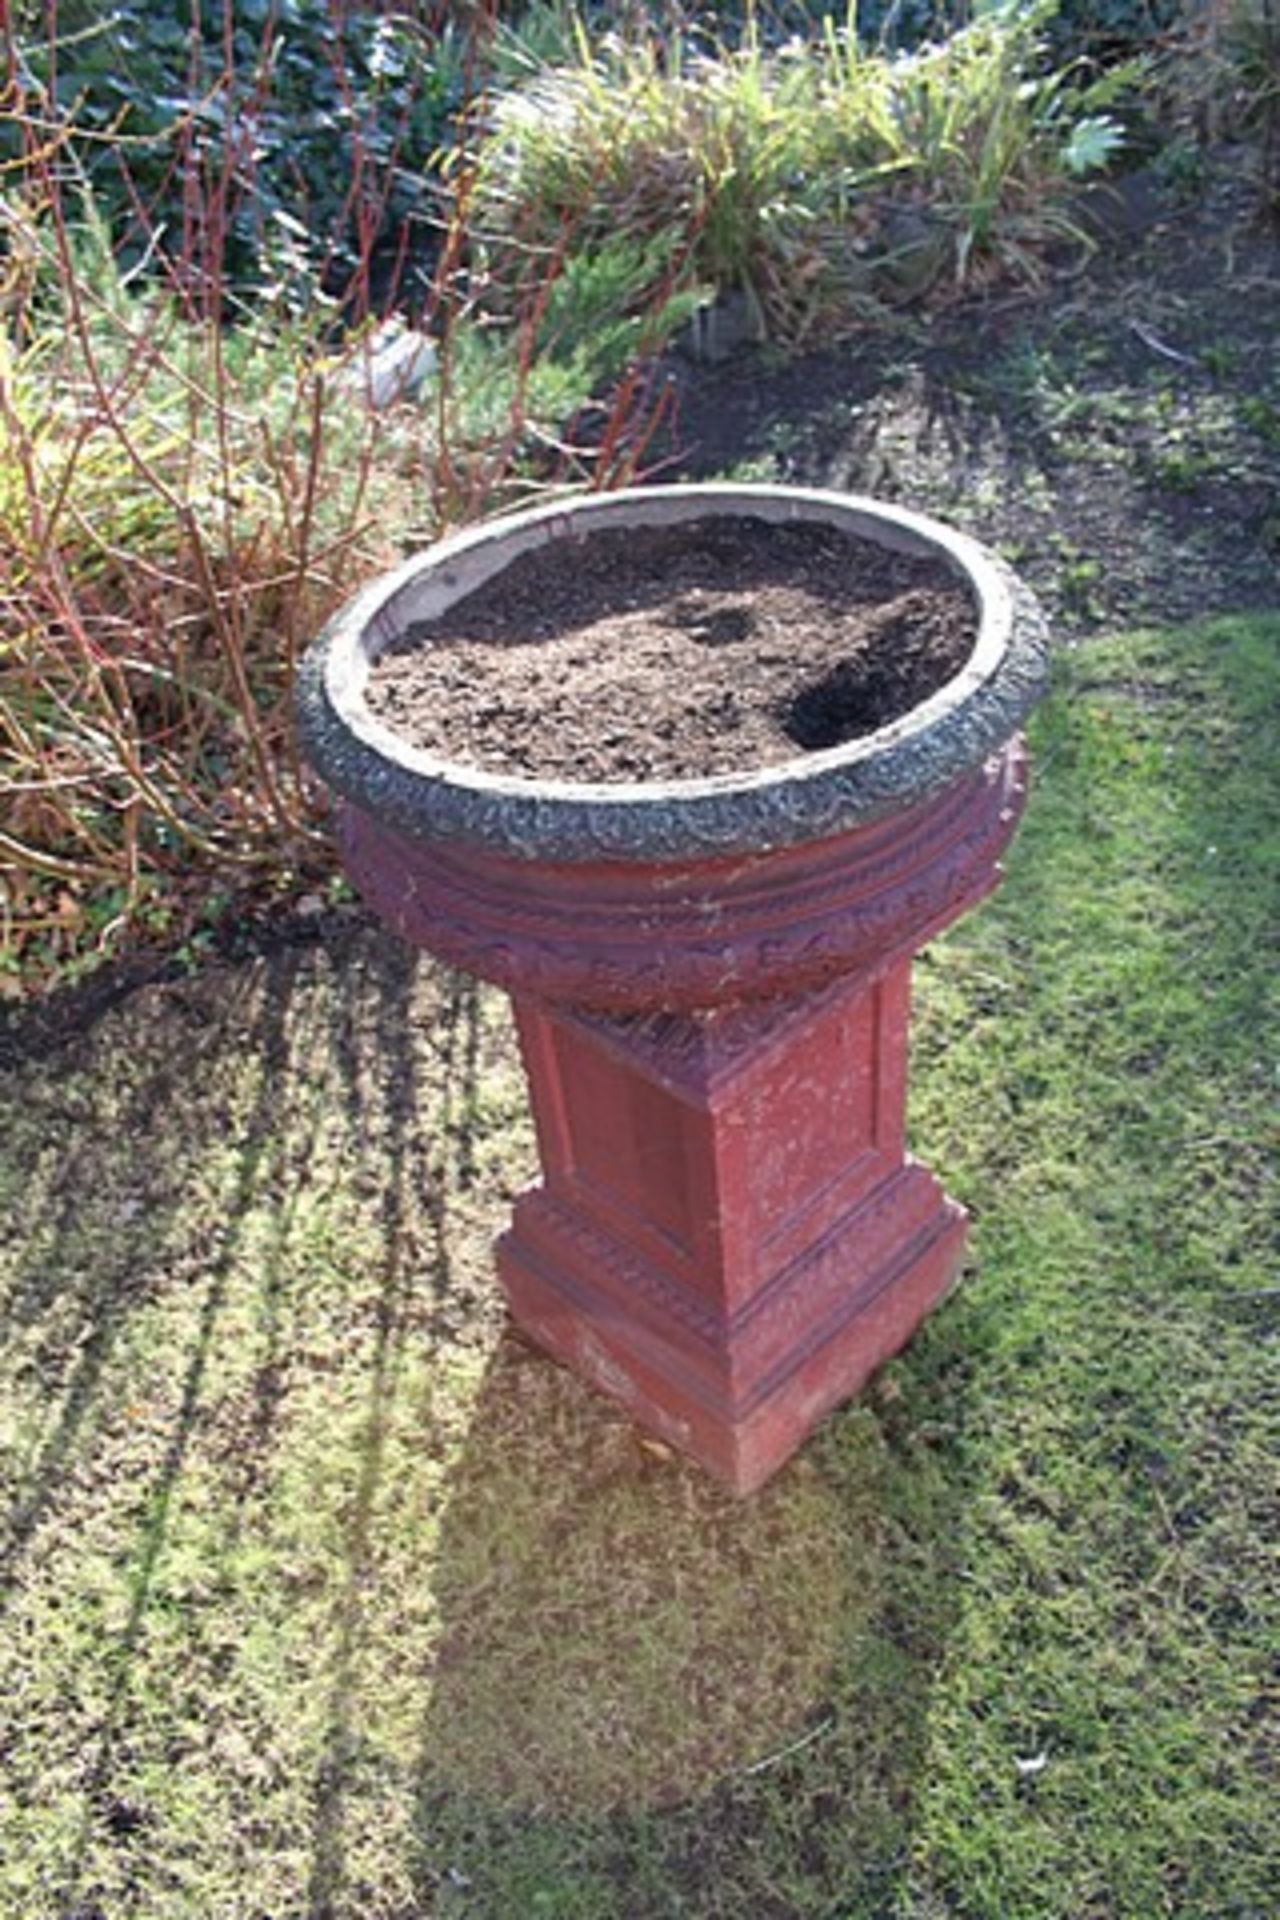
[815,795]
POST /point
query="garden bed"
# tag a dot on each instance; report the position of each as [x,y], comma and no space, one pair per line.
[1116,434]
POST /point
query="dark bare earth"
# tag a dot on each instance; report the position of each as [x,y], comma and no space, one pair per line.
[1114,433]
[677,652]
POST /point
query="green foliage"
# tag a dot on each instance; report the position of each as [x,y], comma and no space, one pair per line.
[600,314]
[1098,29]
[828,183]
[321,123]
[1217,78]
[572,334]
[1222,77]
[1112,29]
[312,125]
[1092,143]
[167,544]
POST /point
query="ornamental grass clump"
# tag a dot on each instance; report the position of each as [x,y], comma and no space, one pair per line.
[826,182]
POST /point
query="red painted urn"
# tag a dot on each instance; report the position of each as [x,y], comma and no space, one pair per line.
[711,981]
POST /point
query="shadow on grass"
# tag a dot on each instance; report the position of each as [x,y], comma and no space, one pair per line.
[1025,1548]
[407,1107]
[81,1275]
[168,1191]
[100,1250]
[640,1682]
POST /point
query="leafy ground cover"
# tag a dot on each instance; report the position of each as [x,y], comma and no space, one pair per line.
[324,1595]
[824,183]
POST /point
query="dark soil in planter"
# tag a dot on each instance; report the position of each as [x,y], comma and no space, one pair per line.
[713,646]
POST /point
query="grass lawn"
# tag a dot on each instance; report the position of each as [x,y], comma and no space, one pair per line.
[321,1595]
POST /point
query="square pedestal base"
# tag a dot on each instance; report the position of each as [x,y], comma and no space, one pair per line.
[728,1238]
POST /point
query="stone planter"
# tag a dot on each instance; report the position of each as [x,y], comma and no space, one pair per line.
[711,983]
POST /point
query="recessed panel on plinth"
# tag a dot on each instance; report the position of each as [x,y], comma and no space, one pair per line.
[727,1237]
